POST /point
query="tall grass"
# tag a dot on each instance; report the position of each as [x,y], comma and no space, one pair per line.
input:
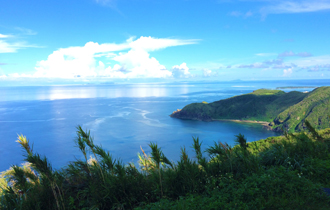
[286,172]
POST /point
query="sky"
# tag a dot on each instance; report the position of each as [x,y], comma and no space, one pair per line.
[163,40]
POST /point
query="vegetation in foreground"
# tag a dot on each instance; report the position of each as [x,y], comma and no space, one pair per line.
[280,109]
[287,172]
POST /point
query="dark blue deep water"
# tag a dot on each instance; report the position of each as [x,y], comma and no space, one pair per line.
[121,117]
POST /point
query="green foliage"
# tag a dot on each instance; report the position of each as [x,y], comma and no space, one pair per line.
[315,108]
[285,172]
[262,105]
[285,111]
[241,140]
[262,92]
[277,189]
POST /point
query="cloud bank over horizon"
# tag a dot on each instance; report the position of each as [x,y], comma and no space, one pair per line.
[130,59]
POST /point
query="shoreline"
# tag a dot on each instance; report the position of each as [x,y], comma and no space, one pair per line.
[264,123]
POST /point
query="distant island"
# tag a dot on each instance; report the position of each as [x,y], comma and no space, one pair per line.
[275,109]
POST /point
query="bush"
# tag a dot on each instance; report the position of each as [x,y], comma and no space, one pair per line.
[285,172]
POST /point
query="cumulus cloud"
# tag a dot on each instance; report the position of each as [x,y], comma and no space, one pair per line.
[138,63]
[132,60]
[207,73]
[180,71]
[287,72]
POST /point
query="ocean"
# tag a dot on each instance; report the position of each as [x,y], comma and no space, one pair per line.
[121,117]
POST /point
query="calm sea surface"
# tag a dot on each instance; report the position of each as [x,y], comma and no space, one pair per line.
[120,117]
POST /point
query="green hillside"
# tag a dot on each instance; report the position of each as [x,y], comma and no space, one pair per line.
[273,106]
[315,107]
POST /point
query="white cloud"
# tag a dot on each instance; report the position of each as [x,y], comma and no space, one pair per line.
[290,53]
[68,63]
[298,6]
[315,68]
[11,47]
[287,72]
[4,36]
[306,62]
[265,54]
[181,71]
[302,63]
[137,63]
[132,60]
[152,44]
[207,72]
[252,66]
[281,6]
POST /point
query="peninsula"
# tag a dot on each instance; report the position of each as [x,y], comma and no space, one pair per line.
[275,109]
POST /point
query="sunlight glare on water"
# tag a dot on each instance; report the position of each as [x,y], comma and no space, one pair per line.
[120,117]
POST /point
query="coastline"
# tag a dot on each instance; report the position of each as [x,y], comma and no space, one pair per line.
[264,123]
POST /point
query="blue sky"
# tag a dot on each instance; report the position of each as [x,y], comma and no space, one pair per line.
[110,40]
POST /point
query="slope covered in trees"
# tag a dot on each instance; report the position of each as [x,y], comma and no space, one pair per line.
[315,107]
[279,109]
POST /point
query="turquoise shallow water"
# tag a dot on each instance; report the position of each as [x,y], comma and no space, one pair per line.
[121,118]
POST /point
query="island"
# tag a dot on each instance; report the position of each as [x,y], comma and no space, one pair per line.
[274,109]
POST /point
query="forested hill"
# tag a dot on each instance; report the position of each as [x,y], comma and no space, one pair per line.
[280,109]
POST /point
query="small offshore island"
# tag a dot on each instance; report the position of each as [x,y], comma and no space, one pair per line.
[274,109]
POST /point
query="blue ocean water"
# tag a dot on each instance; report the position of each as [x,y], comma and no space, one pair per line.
[121,117]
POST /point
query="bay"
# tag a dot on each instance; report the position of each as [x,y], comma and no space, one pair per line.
[121,117]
